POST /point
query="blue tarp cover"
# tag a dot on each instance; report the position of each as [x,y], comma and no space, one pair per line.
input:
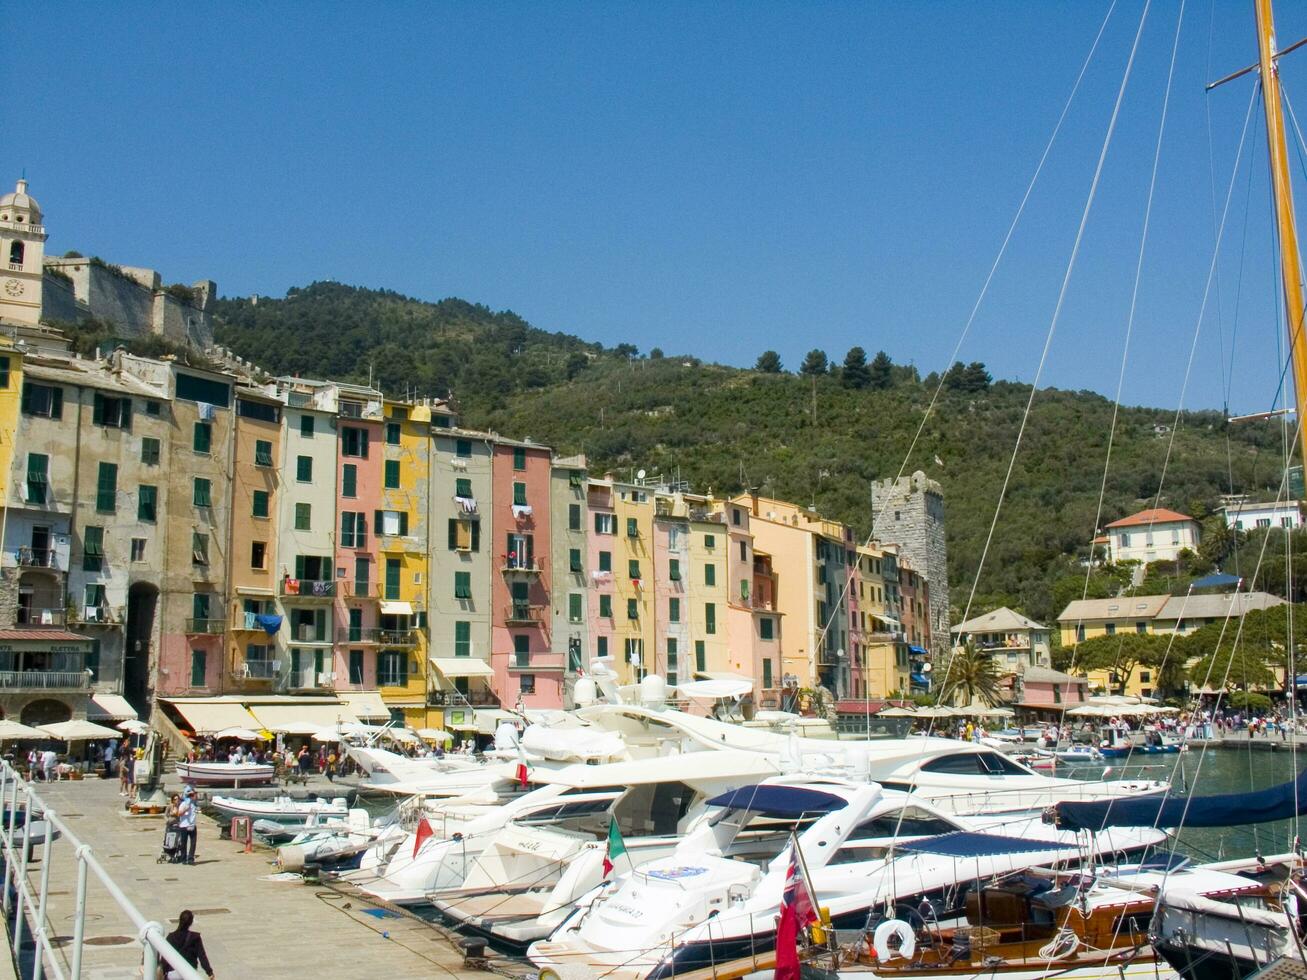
[1214,581]
[1227,810]
[270,624]
[964,843]
[779,801]
[921,650]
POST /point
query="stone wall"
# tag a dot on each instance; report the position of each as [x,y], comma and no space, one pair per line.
[909,512]
[133,299]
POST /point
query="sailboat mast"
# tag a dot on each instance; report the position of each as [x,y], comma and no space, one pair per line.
[1279,160]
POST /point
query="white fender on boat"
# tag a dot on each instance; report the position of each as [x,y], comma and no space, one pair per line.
[894,927]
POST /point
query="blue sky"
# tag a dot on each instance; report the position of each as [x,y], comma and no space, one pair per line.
[715,179]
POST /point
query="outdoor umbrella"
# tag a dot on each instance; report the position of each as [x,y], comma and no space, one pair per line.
[11,729]
[897,712]
[435,735]
[134,726]
[77,731]
[242,734]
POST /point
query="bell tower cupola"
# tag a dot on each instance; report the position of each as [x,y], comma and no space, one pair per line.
[22,256]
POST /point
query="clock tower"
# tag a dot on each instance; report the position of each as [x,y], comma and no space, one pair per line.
[22,257]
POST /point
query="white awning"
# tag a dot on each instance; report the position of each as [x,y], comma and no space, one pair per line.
[396,608]
[109,707]
[301,719]
[366,705]
[462,667]
[206,717]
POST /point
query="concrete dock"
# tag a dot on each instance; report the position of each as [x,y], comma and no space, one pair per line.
[252,926]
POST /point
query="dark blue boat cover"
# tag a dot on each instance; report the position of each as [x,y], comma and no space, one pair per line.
[964,843]
[1226,810]
[779,801]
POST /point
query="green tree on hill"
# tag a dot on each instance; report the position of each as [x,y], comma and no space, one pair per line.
[769,362]
[880,373]
[854,374]
[814,363]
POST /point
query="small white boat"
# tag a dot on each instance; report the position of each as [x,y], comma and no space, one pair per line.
[282,809]
[225,773]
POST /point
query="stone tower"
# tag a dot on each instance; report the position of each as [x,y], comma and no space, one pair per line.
[909,512]
[22,252]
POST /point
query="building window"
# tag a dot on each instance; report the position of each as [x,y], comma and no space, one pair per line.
[462,585]
[464,535]
[574,560]
[106,492]
[306,426]
[601,646]
[199,668]
[353,530]
[1144,676]
[1080,633]
[521,651]
[767,630]
[744,551]
[605,561]
[392,523]
[362,575]
[393,567]
[710,574]
[391,474]
[354,442]
[673,610]
[304,469]
[138,549]
[150,452]
[147,504]
[519,458]
[201,494]
[634,647]
[258,554]
[392,668]
[262,452]
[735,516]
[463,448]
[303,516]
[605,524]
[38,477]
[199,548]
[462,638]
[526,683]
[632,608]
[766,673]
[700,656]
[605,606]
[710,618]
[575,607]
[632,527]
[633,570]
[674,569]
[93,549]
[112,413]
[43,400]
[709,541]
[519,495]
[463,487]
[574,517]
[1110,629]
[259,503]
[349,480]
[1141,627]
[574,655]
[202,440]
[392,433]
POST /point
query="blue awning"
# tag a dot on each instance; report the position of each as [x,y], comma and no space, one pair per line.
[779,801]
[964,843]
[1217,580]
[921,650]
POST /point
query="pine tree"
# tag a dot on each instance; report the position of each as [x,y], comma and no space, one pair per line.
[814,363]
[855,374]
[769,362]
[881,371]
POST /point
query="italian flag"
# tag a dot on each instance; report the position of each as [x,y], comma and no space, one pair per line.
[616,847]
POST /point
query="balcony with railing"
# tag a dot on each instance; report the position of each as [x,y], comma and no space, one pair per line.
[522,613]
[38,617]
[205,626]
[308,679]
[360,590]
[516,565]
[95,616]
[305,589]
[482,698]
[45,680]
[46,558]
[541,661]
[257,670]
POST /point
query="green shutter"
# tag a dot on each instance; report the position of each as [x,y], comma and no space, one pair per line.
[606,606]
[767,629]
[462,585]
[605,561]
[766,672]
[462,487]
[92,548]
[203,496]
[349,480]
[303,516]
[150,452]
[304,469]
[673,610]
[306,426]
[199,668]
[106,496]
[392,433]
[574,601]
[700,656]
[203,437]
[262,452]
[710,574]
[392,474]
[453,534]
[674,569]
[632,608]
[462,638]
[392,578]
[463,448]
[146,504]
[97,409]
[633,569]
[632,527]
[574,517]
[519,458]
[403,523]
[476,535]
[574,559]
[519,494]
[260,503]
[710,617]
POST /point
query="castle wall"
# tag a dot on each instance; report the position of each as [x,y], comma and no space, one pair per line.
[909,512]
[134,301]
[59,301]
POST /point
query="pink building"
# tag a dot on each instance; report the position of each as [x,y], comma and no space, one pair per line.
[753,622]
[359,663]
[527,668]
[1042,691]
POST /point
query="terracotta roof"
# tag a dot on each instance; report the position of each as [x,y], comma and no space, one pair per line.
[1159,515]
[60,636]
[1121,607]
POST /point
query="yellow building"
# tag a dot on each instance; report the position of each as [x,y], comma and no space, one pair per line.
[11,387]
[405,483]
[633,580]
[709,598]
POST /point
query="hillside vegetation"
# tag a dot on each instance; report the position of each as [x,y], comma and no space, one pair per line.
[818,438]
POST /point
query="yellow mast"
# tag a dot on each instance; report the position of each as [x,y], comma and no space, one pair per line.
[1279,159]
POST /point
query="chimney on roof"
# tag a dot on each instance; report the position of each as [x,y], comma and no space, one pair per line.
[753,498]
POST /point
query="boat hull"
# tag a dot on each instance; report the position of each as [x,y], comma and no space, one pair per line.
[224,774]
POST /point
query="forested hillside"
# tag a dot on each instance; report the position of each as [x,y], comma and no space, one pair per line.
[818,437]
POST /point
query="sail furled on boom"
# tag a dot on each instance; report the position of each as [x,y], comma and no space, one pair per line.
[1226,810]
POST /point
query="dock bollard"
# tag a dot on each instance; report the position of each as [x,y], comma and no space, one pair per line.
[242,831]
[474,952]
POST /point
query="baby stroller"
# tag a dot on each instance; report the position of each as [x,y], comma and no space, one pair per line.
[172,845]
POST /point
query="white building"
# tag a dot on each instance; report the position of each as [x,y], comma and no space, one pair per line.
[1151,535]
[1246,516]
[1014,641]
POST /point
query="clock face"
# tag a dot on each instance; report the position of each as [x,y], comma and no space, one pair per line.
[13,287]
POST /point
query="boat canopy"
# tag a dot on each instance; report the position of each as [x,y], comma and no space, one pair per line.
[1226,810]
[965,844]
[779,801]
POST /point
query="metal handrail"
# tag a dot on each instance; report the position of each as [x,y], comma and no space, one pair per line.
[31,911]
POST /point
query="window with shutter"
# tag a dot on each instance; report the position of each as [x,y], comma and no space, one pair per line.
[147,509]
[674,569]
[673,610]
[393,568]
[606,606]
[632,527]
[462,585]
[262,453]
[150,452]
[303,517]
[605,561]
[574,560]
[633,569]
[93,548]
[306,426]
[574,517]
[304,469]
[632,608]
[462,638]
[106,493]
[700,656]
[38,468]
[203,438]
[392,433]
[519,458]
[575,604]
[710,574]
[463,448]
[710,618]
[259,503]
[463,487]
[392,474]
[202,493]
[199,549]
[349,480]
[519,495]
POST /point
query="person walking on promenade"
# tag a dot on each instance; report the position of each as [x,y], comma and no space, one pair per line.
[304,760]
[188,943]
[186,813]
[107,757]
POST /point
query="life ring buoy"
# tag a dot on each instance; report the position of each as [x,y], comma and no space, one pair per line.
[894,927]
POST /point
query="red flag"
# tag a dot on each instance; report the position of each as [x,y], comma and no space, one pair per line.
[423,832]
[521,773]
[798,911]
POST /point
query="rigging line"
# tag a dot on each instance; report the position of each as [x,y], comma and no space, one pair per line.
[1134,300]
[984,292]
[1061,299]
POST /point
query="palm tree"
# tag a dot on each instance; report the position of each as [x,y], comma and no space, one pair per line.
[972,674]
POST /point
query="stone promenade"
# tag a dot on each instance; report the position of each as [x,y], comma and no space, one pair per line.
[251,927]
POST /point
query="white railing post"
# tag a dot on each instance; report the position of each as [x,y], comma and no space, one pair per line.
[21,883]
[79,914]
[38,928]
[9,842]
[151,954]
